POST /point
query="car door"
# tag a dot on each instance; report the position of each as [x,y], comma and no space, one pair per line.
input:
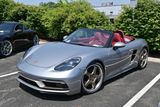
[28,35]
[19,36]
[118,58]
[131,52]
[125,58]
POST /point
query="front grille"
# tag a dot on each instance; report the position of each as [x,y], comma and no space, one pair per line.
[28,81]
[57,86]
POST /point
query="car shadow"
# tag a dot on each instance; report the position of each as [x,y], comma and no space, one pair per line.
[118,77]
[62,97]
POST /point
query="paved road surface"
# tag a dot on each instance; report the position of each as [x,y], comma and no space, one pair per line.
[115,92]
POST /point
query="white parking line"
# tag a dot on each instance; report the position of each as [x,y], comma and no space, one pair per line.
[132,101]
[9,74]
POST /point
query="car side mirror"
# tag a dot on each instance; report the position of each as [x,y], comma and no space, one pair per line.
[119,45]
[18,31]
[65,37]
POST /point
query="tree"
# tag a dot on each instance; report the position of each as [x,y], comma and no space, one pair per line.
[33,20]
[48,5]
[19,13]
[29,16]
[142,22]
[68,17]
[5,7]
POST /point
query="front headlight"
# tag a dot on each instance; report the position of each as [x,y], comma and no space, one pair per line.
[68,65]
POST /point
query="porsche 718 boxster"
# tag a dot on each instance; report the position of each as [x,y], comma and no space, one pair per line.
[14,35]
[81,62]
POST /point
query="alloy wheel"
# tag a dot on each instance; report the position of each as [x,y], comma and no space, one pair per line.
[143,58]
[93,78]
[6,48]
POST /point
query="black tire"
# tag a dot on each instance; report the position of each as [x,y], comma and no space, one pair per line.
[92,79]
[6,48]
[143,59]
[35,40]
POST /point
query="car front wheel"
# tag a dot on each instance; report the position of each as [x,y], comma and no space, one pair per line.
[93,78]
[6,48]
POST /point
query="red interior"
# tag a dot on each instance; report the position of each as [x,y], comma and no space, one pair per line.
[117,38]
[99,39]
[120,38]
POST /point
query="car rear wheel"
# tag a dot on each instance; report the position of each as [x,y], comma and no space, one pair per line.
[35,40]
[93,78]
[6,48]
[143,59]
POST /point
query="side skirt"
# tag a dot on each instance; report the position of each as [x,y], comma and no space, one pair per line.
[134,65]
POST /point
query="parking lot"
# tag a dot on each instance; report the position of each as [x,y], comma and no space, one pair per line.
[114,93]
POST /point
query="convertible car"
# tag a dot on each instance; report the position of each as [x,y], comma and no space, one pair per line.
[81,62]
[14,35]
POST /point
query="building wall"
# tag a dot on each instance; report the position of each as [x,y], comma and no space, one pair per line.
[112,10]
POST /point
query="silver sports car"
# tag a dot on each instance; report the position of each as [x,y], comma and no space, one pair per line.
[81,62]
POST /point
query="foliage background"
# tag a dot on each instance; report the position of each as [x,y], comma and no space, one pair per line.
[142,22]
[55,20]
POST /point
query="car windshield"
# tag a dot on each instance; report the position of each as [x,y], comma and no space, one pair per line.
[5,28]
[88,37]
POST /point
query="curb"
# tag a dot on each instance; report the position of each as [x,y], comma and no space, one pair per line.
[156,60]
[42,42]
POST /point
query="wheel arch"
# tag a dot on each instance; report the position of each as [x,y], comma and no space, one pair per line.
[98,61]
[103,67]
[7,38]
[146,47]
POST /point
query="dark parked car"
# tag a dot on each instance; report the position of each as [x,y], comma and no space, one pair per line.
[14,35]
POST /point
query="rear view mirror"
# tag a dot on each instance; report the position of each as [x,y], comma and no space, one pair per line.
[119,45]
[65,37]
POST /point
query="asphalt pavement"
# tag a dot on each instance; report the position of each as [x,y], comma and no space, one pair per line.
[114,93]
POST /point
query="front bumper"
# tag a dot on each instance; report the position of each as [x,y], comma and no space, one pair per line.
[41,86]
[68,82]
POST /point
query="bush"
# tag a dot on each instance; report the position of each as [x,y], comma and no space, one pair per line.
[29,16]
[5,7]
[142,22]
[66,18]
[34,20]
[19,13]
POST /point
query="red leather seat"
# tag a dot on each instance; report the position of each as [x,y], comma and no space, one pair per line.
[117,38]
[98,39]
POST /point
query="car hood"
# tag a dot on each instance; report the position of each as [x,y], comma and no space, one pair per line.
[52,54]
[4,33]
